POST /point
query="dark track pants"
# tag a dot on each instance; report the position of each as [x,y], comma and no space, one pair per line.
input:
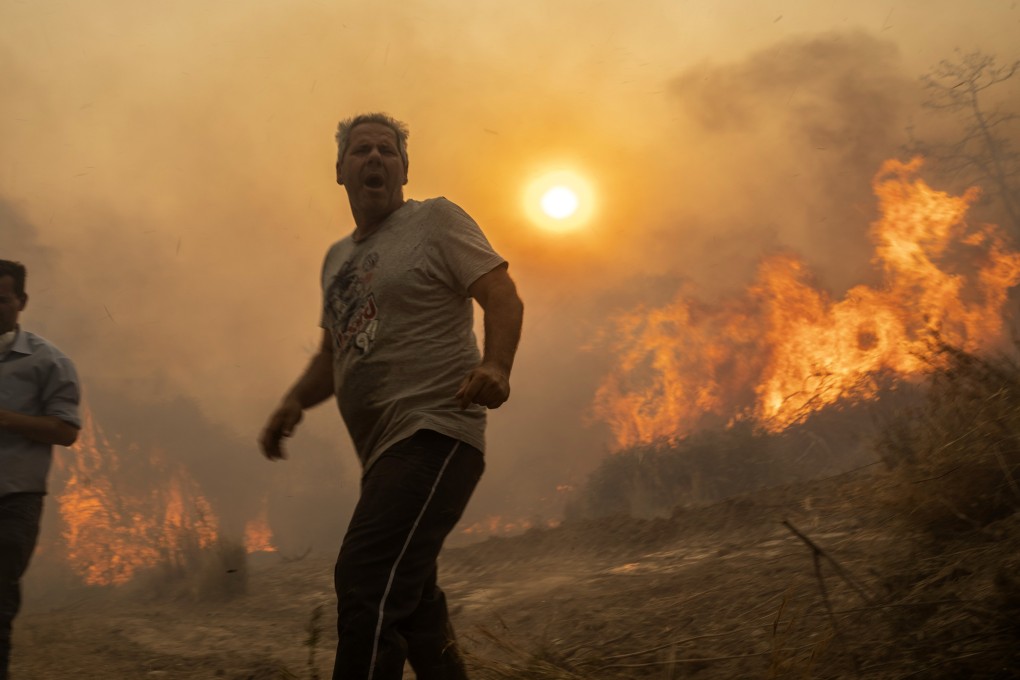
[20,515]
[389,606]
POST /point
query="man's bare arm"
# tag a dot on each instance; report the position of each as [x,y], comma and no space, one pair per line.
[489,383]
[313,387]
[44,429]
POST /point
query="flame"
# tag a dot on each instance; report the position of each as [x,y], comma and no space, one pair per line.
[494,525]
[785,349]
[111,534]
[258,537]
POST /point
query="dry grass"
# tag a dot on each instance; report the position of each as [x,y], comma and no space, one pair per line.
[266,670]
[957,456]
[953,469]
[919,579]
[711,465]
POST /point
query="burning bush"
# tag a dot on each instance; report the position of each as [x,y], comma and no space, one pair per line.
[785,348]
[128,511]
[935,595]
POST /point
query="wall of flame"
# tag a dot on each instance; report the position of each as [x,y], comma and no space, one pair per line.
[785,348]
[123,511]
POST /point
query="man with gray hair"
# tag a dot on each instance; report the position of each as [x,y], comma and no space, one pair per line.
[399,355]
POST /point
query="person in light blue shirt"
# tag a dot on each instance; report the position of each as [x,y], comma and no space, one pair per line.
[39,398]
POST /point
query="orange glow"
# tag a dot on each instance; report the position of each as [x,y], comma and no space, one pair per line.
[785,348]
[258,537]
[559,201]
[495,525]
[111,534]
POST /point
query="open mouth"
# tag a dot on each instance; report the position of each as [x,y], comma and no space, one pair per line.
[374,182]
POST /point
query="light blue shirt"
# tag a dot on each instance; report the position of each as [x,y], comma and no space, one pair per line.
[36,379]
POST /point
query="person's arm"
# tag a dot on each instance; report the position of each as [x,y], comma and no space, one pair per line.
[313,387]
[488,384]
[44,429]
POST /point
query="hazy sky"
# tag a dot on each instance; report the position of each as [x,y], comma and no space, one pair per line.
[166,174]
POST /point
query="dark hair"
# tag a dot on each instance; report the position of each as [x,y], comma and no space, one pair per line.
[16,271]
[343,132]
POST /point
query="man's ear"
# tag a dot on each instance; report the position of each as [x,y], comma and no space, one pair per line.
[339,179]
[24,301]
[406,166]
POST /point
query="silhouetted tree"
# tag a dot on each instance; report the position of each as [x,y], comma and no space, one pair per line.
[983,154]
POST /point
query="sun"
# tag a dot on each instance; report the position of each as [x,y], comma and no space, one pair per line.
[559,201]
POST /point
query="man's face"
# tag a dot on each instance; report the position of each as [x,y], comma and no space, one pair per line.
[10,304]
[372,171]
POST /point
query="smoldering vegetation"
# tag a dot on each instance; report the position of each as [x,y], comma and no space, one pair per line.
[216,572]
[153,505]
[903,568]
[653,480]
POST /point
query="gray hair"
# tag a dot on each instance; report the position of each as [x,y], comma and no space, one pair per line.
[343,132]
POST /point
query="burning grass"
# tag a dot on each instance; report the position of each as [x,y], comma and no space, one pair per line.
[902,570]
[857,583]
[786,348]
[134,515]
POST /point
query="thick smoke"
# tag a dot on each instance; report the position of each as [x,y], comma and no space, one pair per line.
[177,168]
[796,132]
[144,414]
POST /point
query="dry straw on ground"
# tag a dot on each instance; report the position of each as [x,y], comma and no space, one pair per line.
[902,570]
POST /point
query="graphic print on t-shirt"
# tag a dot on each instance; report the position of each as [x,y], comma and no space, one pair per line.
[350,305]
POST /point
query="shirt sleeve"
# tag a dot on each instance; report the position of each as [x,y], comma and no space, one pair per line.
[61,393]
[461,252]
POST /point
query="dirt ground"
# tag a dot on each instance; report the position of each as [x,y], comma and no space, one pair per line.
[727,591]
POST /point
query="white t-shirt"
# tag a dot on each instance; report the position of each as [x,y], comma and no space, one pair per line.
[397,307]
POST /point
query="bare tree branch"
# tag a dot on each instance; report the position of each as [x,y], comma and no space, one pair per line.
[983,153]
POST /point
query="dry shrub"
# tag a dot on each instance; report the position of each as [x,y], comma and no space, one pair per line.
[194,573]
[653,479]
[956,457]
[953,459]
[711,465]
[945,602]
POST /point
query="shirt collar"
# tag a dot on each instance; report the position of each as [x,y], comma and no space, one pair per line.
[21,344]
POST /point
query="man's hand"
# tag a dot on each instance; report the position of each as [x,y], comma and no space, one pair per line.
[489,383]
[313,387]
[281,424]
[486,385]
